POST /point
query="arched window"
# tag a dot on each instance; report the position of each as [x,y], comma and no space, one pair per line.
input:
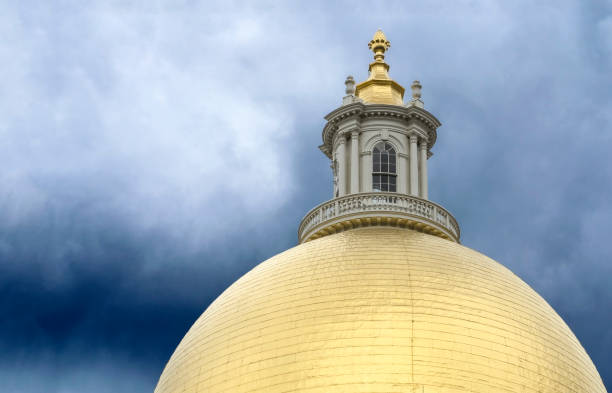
[384,174]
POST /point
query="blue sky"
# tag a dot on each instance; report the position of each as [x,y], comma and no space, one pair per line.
[153,152]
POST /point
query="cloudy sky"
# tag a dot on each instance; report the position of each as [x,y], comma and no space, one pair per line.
[153,152]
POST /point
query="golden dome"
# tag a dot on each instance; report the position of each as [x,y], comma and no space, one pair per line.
[379,88]
[380,309]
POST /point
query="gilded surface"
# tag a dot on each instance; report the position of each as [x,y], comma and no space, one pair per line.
[380,309]
[379,88]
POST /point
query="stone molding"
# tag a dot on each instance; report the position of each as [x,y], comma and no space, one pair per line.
[369,144]
[378,208]
[360,110]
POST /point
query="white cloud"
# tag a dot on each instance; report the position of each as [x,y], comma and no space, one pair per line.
[168,112]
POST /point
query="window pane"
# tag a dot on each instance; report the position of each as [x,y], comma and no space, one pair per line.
[392,168]
[376,163]
[392,180]
[384,163]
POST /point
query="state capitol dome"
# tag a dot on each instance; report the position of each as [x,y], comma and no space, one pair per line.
[379,296]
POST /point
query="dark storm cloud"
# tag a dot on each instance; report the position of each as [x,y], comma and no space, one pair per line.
[152,154]
[90,295]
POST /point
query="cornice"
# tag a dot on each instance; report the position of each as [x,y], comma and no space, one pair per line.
[362,111]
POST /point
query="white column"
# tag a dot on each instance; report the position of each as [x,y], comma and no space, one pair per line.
[354,162]
[341,158]
[423,169]
[414,177]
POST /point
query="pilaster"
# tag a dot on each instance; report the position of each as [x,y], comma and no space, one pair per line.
[403,178]
[366,178]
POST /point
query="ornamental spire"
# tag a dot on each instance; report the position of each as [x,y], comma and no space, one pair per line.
[379,88]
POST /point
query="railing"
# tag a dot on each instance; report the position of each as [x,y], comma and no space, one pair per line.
[379,204]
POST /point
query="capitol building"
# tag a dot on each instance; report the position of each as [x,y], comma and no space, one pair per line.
[379,296]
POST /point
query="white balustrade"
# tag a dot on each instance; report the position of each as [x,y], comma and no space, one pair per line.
[398,206]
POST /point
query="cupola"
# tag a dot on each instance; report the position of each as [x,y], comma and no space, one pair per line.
[379,148]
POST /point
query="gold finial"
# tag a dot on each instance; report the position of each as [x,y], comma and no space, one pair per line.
[379,88]
[379,45]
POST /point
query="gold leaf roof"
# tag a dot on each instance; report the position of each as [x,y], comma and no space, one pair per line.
[380,309]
